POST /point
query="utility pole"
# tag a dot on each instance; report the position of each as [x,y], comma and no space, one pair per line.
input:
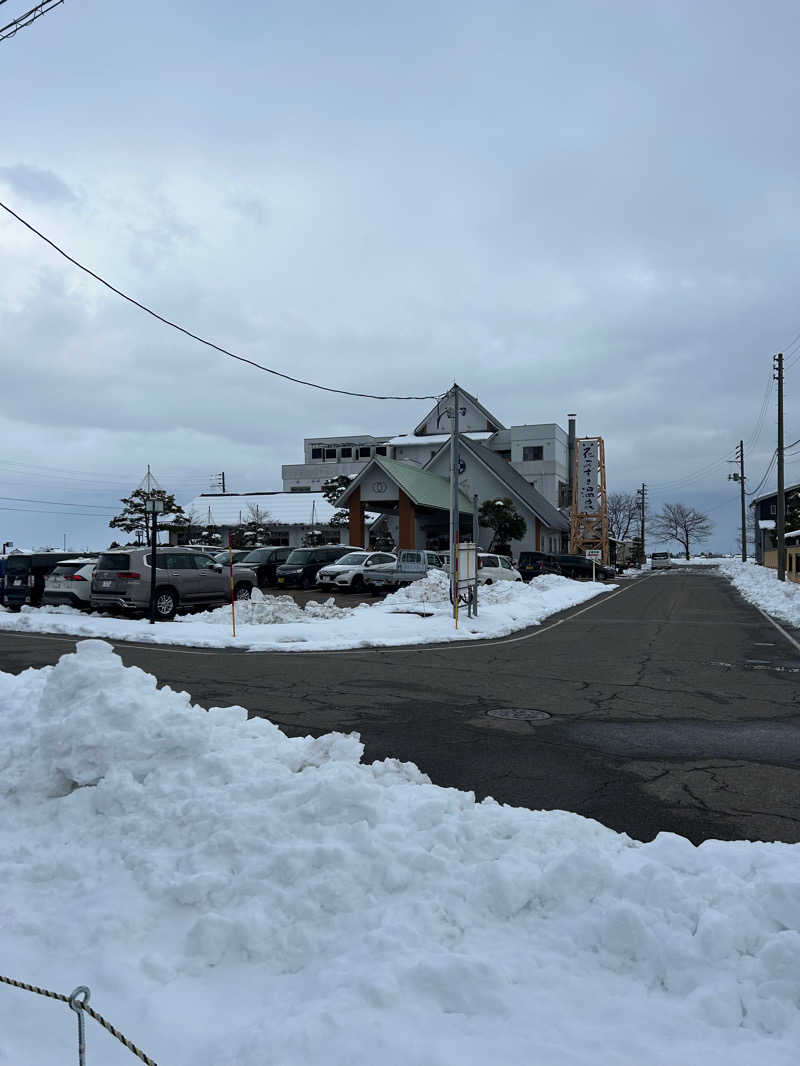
[454,514]
[642,494]
[780,524]
[740,478]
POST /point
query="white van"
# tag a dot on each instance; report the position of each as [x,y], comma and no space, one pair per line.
[660,561]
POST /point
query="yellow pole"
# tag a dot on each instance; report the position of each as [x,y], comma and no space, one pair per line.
[230,568]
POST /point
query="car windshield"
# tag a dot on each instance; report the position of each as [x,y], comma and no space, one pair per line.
[353,559]
[300,555]
[257,556]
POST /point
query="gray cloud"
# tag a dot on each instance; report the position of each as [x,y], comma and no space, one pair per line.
[37,184]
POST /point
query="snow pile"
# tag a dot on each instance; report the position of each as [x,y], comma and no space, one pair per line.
[233,895]
[418,614]
[760,585]
[270,610]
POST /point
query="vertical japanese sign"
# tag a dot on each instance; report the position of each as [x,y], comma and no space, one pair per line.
[588,458]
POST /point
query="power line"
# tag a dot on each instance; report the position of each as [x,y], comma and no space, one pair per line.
[58,503]
[195,336]
[22,21]
[767,472]
[65,514]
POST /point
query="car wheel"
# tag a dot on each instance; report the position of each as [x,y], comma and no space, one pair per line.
[518,579]
[357,584]
[166,604]
[242,591]
[488,581]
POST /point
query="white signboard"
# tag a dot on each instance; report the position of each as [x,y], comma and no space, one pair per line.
[594,553]
[587,476]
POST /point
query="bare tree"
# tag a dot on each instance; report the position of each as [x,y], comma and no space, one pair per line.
[623,514]
[676,521]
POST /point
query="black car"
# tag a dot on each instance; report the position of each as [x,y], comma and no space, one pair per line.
[265,562]
[534,564]
[302,565]
[579,568]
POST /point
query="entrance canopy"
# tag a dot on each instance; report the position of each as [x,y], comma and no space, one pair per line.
[391,487]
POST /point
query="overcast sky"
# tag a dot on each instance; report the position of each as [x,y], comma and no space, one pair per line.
[588,207]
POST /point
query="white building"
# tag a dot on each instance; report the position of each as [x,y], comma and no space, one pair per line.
[540,453]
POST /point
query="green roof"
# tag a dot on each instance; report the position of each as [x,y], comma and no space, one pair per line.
[422,488]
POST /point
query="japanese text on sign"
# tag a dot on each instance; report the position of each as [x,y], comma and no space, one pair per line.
[587,476]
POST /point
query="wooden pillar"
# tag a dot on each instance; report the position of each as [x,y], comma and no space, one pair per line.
[538,534]
[356,519]
[405,533]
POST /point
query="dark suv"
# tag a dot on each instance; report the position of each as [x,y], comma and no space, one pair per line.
[534,564]
[580,568]
[265,562]
[303,563]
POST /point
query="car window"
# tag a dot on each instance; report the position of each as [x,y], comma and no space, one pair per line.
[202,562]
[505,564]
[354,559]
[178,561]
[66,570]
[381,558]
[489,560]
[433,558]
[112,562]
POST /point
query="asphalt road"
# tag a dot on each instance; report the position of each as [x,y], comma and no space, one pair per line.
[670,704]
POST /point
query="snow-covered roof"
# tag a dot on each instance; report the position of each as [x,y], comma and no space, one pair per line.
[435,438]
[277,508]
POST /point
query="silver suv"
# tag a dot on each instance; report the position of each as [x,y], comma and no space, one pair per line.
[184,578]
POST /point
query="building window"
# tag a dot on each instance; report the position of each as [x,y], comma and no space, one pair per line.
[364,452]
[773,508]
[347,453]
[316,453]
[381,449]
[330,453]
[533,454]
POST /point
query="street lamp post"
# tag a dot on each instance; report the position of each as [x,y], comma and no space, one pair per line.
[154,507]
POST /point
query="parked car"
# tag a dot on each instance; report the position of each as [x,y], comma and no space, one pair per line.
[579,568]
[25,575]
[660,561]
[303,564]
[225,557]
[411,564]
[265,562]
[70,584]
[534,564]
[349,572]
[493,568]
[184,578]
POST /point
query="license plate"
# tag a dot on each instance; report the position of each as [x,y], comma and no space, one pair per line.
[106,584]
[281,580]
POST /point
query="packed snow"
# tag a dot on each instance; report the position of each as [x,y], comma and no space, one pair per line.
[760,586]
[231,895]
[418,614]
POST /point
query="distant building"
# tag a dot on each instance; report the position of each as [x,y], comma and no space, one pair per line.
[765,510]
[539,453]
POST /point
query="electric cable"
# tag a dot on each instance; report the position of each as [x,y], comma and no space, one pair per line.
[57,503]
[21,21]
[195,336]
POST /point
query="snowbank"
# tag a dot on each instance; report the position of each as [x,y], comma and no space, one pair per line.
[760,585]
[231,895]
[419,614]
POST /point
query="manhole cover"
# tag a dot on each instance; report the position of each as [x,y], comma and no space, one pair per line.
[526,714]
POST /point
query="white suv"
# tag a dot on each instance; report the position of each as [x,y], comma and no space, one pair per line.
[70,584]
[495,568]
[349,571]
